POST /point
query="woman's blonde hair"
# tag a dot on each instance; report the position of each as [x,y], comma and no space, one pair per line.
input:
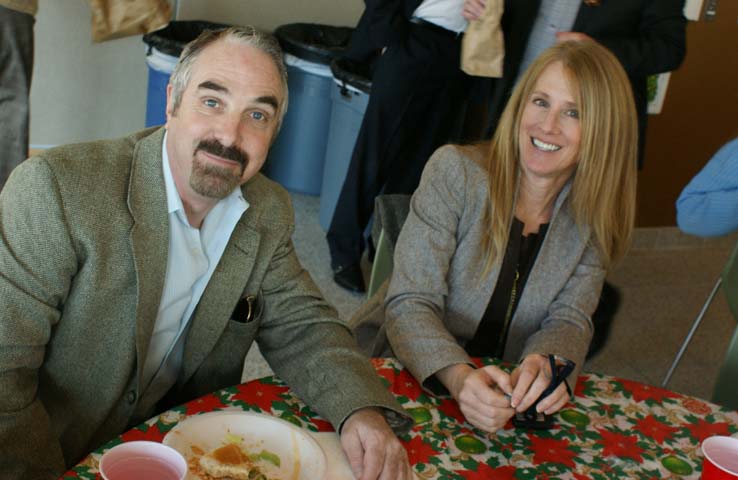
[603,191]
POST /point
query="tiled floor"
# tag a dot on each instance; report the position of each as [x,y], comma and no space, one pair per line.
[664,280]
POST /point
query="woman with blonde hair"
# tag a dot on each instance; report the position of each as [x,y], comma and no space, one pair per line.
[506,246]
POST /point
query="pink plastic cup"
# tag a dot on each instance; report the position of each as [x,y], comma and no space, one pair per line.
[142,460]
[721,458]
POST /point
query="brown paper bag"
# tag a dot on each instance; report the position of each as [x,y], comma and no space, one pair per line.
[483,47]
[119,18]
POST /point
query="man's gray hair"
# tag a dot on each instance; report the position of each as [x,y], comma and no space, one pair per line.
[246,35]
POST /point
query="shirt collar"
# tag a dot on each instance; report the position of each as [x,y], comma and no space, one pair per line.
[174,201]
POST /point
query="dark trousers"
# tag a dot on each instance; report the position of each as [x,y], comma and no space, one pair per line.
[16,67]
[417,103]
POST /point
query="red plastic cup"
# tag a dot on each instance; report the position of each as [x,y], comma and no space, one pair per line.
[721,458]
[142,460]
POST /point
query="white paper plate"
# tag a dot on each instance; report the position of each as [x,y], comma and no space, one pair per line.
[301,456]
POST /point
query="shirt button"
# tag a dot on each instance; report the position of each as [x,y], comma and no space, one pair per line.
[131,396]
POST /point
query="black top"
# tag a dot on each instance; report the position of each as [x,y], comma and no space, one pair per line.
[520,256]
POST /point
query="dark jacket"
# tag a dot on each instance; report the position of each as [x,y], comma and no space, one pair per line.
[382,23]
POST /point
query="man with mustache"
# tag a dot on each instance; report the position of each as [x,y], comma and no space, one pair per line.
[135,274]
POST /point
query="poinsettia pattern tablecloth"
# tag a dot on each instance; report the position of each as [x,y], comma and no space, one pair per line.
[614,428]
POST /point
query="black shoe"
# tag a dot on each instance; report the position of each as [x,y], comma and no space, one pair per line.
[350,278]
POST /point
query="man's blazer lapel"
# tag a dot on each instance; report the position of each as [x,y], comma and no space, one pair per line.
[147,202]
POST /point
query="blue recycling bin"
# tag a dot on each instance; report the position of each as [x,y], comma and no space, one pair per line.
[349,98]
[163,49]
[296,158]
[160,67]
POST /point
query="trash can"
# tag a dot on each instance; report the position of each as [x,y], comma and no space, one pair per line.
[349,97]
[162,52]
[296,158]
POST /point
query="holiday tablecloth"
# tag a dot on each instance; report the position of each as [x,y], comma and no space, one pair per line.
[614,428]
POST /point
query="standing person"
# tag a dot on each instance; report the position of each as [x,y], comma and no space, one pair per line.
[416,104]
[16,69]
[647,36]
[506,245]
[135,274]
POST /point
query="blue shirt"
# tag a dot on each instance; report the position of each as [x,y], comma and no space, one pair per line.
[193,256]
[553,16]
[708,206]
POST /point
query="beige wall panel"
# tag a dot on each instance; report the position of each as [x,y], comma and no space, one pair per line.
[269,14]
[83,90]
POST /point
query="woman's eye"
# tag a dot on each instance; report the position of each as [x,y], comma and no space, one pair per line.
[572,113]
[540,102]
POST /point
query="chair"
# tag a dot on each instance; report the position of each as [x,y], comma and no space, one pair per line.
[726,387]
[390,212]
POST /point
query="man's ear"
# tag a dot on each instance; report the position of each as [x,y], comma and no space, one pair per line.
[170,102]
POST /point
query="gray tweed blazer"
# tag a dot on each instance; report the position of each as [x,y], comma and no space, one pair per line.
[83,253]
[438,291]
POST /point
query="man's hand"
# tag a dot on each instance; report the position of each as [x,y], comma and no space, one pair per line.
[373,450]
[480,393]
[473,9]
[531,378]
[572,36]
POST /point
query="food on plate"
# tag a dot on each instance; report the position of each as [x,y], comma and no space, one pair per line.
[230,462]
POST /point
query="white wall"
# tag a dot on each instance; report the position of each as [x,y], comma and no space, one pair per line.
[85,91]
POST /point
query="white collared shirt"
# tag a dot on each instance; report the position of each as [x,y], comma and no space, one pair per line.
[192,258]
[444,13]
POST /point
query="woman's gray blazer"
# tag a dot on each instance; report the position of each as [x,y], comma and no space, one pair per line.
[439,292]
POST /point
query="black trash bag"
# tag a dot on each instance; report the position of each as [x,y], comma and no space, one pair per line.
[313,42]
[349,72]
[172,39]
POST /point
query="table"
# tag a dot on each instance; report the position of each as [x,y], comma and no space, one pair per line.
[614,428]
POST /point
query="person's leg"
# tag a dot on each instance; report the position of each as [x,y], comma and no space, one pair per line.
[412,110]
[434,116]
[394,79]
[16,66]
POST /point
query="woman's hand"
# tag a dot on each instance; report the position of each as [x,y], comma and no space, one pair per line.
[531,378]
[473,9]
[480,394]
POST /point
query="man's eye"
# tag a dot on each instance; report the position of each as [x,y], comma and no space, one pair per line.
[258,116]
[211,102]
